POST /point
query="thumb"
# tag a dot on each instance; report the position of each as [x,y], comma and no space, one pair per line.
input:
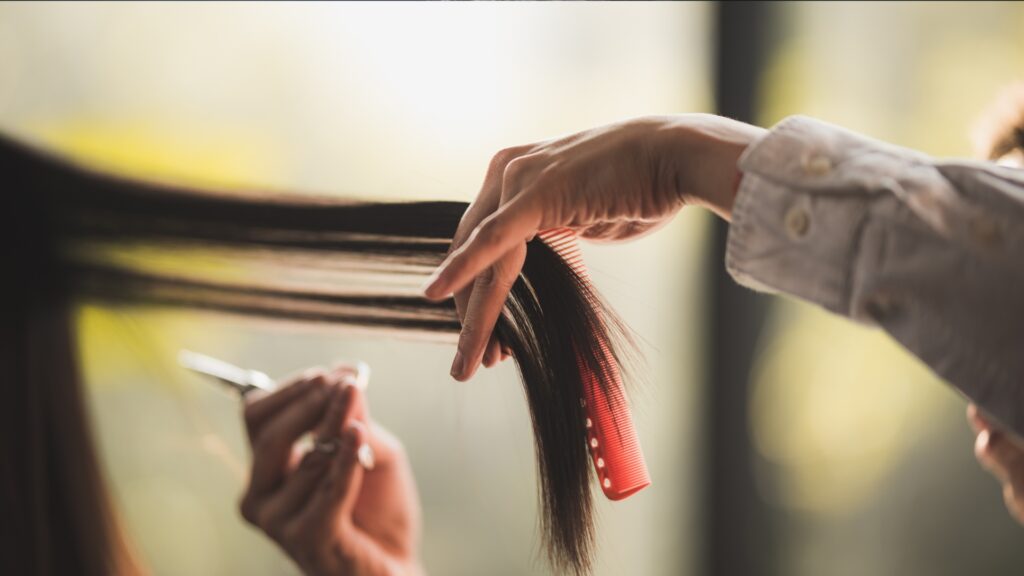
[346,473]
[977,419]
[336,496]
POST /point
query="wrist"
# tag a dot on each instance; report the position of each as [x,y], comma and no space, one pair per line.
[707,156]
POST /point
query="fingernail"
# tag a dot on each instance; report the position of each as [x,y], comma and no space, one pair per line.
[428,284]
[366,457]
[363,375]
[432,288]
[983,441]
[458,365]
[364,453]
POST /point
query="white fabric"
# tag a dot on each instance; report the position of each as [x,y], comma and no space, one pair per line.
[931,251]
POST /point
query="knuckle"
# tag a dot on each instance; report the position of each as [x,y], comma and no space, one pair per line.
[505,273]
[486,278]
[292,535]
[469,328]
[267,443]
[318,377]
[505,282]
[497,279]
[266,520]
[264,443]
[502,157]
[515,169]
[249,417]
[345,555]
[490,232]
[248,509]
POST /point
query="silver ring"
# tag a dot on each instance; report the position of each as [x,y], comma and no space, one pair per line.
[326,445]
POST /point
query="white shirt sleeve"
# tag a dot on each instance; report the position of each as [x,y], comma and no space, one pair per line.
[932,252]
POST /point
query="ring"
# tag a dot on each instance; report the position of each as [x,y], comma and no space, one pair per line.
[326,445]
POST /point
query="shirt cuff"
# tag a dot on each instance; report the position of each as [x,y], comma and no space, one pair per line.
[785,239]
[808,189]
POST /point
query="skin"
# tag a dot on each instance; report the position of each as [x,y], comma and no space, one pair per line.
[610,184]
[332,517]
[1003,456]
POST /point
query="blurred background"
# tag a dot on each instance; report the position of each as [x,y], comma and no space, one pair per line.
[781,440]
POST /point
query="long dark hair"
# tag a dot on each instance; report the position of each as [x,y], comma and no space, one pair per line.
[69,227]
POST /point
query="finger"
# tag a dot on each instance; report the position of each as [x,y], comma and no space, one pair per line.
[1012,497]
[260,406]
[999,455]
[272,447]
[276,509]
[348,375]
[510,226]
[357,410]
[490,291]
[489,197]
[290,498]
[976,419]
[340,408]
[493,354]
[348,473]
[336,495]
[486,202]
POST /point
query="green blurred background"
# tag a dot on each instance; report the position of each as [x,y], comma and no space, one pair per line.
[860,460]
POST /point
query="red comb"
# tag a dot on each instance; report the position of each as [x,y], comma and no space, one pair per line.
[611,436]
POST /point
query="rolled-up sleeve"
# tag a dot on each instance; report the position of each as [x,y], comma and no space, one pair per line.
[930,251]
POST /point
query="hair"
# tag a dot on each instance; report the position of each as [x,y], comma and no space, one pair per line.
[999,132]
[70,236]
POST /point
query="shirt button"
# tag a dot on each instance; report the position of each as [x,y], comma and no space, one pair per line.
[881,306]
[798,222]
[817,165]
[986,232]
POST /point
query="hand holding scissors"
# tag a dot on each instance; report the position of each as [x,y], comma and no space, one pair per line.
[348,506]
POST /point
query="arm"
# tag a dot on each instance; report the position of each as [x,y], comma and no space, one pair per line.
[932,252]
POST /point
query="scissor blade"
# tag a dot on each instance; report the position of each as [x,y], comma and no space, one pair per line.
[241,379]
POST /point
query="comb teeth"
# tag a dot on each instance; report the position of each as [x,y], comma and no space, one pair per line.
[611,435]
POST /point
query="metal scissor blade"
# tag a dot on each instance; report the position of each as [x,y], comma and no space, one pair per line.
[240,379]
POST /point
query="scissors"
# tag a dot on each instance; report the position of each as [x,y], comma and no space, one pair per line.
[245,381]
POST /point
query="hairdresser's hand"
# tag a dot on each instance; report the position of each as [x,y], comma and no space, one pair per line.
[1003,456]
[333,511]
[612,183]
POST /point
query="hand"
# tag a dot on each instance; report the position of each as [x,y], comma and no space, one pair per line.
[1003,456]
[327,512]
[612,183]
